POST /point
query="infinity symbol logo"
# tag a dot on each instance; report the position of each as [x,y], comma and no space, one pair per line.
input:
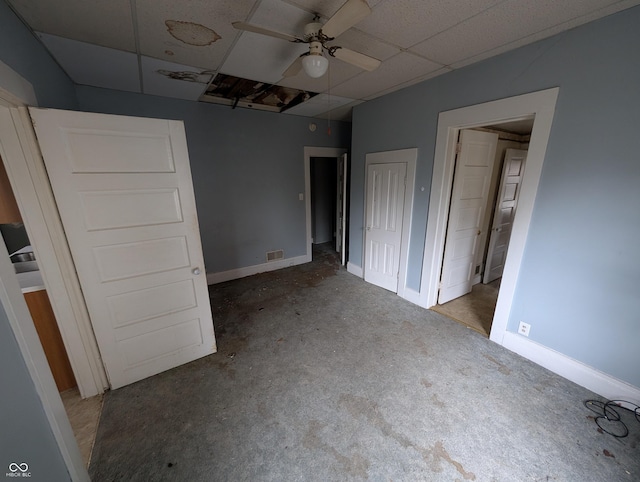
[23,467]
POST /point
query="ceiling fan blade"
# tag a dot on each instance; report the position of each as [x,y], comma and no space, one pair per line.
[294,68]
[346,17]
[263,31]
[355,58]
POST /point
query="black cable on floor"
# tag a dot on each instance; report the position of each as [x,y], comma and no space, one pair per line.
[608,411]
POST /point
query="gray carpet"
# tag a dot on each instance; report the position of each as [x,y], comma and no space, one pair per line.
[322,377]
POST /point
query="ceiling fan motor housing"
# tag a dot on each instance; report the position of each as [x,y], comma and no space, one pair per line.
[311,31]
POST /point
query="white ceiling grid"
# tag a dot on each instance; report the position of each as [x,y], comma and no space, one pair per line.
[112,43]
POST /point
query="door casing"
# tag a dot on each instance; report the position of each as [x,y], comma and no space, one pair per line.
[310,152]
[19,150]
[540,104]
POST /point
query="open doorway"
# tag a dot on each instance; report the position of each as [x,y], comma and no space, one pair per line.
[329,205]
[83,414]
[326,183]
[324,191]
[540,105]
[476,245]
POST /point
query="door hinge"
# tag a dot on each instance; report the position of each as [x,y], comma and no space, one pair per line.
[458,147]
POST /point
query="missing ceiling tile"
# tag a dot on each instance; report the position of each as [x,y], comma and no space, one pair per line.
[192,33]
[236,91]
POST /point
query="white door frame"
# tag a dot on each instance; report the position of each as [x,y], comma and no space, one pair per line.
[410,158]
[18,151]
[540,104]
[310,152]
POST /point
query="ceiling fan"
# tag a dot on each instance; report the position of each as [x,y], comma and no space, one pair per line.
[318,35]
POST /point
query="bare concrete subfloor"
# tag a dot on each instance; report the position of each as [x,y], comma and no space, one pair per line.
[320,376]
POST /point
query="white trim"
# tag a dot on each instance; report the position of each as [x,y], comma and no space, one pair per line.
[540,104]
[222,276]
[412,296]
[409,157]
[310,152]
[17,311]
[605,385]
[355,270]
[30,182]
[15,89]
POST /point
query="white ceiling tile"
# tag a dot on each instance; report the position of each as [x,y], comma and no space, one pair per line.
[337,73]
[407,22]
[107,24]
[501,28]
[317,105]
[89,64]
[325,8]
[281,17]
[157,80]
[365,44]
[197,17]
[262,58]
[414,81]
[394,71]
[342,113]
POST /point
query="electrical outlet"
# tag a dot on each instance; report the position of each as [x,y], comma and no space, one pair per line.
[524,328]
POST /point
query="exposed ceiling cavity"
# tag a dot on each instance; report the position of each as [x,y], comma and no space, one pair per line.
[237,92]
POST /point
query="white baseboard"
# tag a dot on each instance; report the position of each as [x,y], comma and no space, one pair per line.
[222,276]
[588,377]
[355,270]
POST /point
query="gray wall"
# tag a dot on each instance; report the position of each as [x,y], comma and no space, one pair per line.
[579,280]
[20,50]
[25,435]
[247,167]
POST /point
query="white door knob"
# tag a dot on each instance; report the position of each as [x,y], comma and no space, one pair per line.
[196,271]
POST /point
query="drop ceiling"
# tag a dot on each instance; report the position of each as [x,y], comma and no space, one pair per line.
[175,48]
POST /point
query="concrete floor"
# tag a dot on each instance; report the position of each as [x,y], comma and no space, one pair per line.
[322,377]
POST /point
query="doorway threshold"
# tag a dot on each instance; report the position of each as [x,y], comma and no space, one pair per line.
[474,310]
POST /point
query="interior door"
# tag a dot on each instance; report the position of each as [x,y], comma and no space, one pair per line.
[508,192]
[471,182]
[125,196]
[341,208]
[383,236]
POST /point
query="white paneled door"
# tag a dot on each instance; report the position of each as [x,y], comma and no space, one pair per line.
[471,183]
[125,195]
[383,236]
[504,213]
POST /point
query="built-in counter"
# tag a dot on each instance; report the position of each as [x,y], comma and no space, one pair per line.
[30,281]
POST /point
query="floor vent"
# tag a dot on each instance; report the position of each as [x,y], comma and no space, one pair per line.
[275,255]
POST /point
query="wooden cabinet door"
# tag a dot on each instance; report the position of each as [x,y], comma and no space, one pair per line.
[49,334]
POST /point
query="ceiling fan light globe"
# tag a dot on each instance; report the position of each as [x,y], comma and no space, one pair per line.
[315,65]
